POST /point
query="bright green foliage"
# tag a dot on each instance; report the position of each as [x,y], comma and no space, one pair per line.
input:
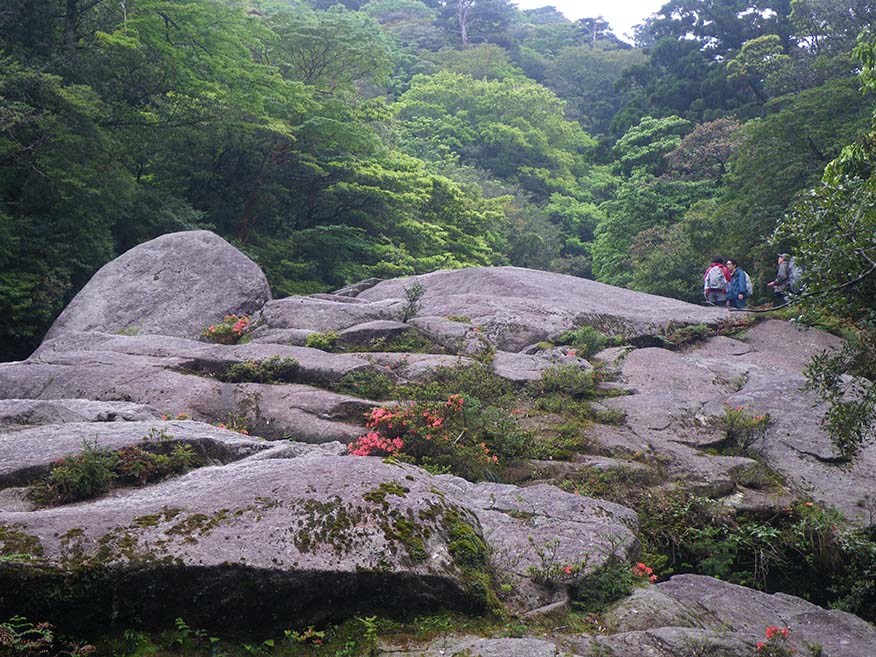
[514,129]
[586,340]
[644,146]
[644,203]
[327,341]
[333,51]
[758,59]
[586,77]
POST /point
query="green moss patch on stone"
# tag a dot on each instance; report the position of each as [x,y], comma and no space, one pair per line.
[16,544]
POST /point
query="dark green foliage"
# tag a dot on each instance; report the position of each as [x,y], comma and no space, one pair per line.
[612,581]
[586,340]
[95,470]
[474,380]
[269,370]
[20,637]
[368,383]
[805,551]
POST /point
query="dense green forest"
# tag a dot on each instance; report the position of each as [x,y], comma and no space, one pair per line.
[332,141]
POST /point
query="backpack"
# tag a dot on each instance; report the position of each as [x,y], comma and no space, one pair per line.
[795,273]
[715,278]
[749,290]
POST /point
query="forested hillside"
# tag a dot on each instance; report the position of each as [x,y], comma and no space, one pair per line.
[336,141]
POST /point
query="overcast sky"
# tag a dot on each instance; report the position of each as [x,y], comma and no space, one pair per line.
[621,14]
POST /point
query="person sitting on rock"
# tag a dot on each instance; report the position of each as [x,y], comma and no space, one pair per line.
[783,278]
[715,282]
[740,285]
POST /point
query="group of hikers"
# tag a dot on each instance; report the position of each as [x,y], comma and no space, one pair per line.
[725,283]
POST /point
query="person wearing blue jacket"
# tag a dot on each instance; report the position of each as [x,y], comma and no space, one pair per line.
[739,288]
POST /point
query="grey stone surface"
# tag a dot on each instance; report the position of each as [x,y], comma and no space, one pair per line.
[368,333]
[25,412]
[324,315]
[519,368]
[223,546]
[481,647]
[677,398]
[294,337]
[175,284]
[538,527]
[517,307]
[747,613]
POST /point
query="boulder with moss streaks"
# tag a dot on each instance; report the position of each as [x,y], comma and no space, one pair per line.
[276,542]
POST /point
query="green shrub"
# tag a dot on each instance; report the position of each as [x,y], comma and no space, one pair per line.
[608,583]
[586,340]
[456,436]
[413,294]
[230,330]
[473,380]
[569,380]
[805,551]
[686,335]
[269,370]
[368,383]
[410,341]
[88,474]
[94,471]
[743,429]
[327,341]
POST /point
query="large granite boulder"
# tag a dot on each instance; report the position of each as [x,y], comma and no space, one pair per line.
[516,307]
[279,542]
[175,284]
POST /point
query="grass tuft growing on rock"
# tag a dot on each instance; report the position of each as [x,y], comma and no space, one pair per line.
[95,470]
[268,370]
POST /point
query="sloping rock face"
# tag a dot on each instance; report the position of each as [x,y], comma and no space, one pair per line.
[676,399]
[175,284]
[517,307]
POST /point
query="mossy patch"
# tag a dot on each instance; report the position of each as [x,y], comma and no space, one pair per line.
[378,495]
[17,544]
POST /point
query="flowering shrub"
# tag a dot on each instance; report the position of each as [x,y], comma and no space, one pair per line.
[743,429]
[645,572]
[451,436]
[775,644]
[229,331]
[373,444]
